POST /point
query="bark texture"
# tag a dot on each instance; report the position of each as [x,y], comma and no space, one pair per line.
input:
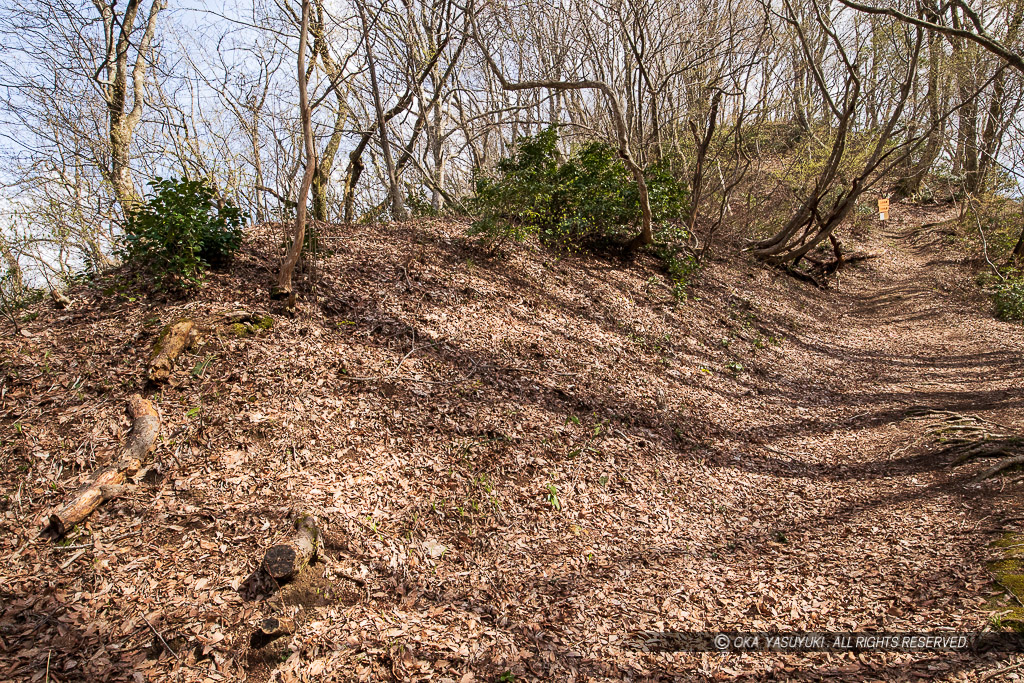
[108,482]
[285,560]
[174,339]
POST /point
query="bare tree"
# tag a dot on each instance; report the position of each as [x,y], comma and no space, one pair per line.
[395,191]
[826,206]
[618,120]
[112,75]
[283,289]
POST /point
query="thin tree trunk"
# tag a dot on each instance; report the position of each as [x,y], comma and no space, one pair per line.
[911,184]
[1018,251]
[355,157]
[702,152]
[398,211]
[990,136]
[283,290]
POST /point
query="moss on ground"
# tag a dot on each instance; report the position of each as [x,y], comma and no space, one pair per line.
[1008,573]
[257,324]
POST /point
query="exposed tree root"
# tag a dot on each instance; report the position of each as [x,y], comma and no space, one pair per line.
[839,264]
[968,437]
[986,449]
[792,271]
[996,469]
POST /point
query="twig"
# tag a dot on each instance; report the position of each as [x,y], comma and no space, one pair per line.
[1005,669]
[984,242]
[394,372]
[157,633]
[70,560]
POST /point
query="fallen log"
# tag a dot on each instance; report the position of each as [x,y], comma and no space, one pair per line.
[60,299]
[109,482]
[174,339]
[285,560]
[271,629]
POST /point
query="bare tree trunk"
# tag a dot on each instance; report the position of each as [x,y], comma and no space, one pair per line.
[818,217]
[911,184]
[398,211]
[702,153]
[997,118]
[355,157]
[968,136]
[108,482]
[990,136]
[283,289]
[113,80]
[1018,250]
[322,176]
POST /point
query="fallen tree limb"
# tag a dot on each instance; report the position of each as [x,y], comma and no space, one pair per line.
[271,629]
[285,560]
[174,339]
[60,299]
[109,482]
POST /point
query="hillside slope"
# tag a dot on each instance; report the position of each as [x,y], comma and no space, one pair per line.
[516,462]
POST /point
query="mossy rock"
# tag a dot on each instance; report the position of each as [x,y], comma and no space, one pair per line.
[256,324]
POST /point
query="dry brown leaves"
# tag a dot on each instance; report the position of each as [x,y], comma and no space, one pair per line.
[524,460]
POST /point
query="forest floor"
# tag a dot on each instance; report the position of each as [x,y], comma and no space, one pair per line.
[517,463]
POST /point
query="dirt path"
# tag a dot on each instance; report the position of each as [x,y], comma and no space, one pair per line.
[814,502]
[865,526]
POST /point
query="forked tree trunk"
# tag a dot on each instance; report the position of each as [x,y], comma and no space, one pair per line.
[112,80]
[325,164]
[398,211]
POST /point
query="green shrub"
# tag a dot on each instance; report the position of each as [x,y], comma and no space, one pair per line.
[586,202]
[682,268]
[1008,298]
[179,232]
